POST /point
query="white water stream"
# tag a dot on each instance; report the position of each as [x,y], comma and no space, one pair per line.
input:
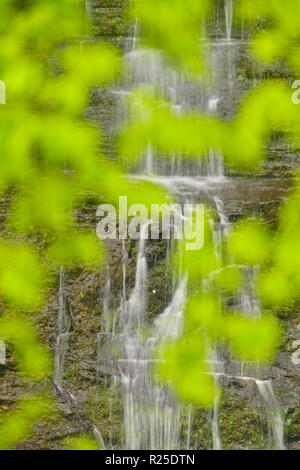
[229,6]
[64,325]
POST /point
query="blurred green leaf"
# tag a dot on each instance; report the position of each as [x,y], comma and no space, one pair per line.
[184,365]
[19,424]
[174,26]
[82,249]
[82,443]
[21,274]
[250,243]
[252,339]
[33,359]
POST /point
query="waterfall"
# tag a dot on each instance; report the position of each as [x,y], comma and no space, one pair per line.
[152,415]
[64,326]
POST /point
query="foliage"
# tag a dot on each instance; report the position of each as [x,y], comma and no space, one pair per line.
[50,158]
[19,424]
[282,35]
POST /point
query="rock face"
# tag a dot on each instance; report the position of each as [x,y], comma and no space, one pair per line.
[87,398]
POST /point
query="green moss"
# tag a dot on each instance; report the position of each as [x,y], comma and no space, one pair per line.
[110,22]
[201,432]
[104,406]
[292,423]
[111,3]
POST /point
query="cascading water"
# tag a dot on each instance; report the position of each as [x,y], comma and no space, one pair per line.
[152,415]
[217,443]
[106,303]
